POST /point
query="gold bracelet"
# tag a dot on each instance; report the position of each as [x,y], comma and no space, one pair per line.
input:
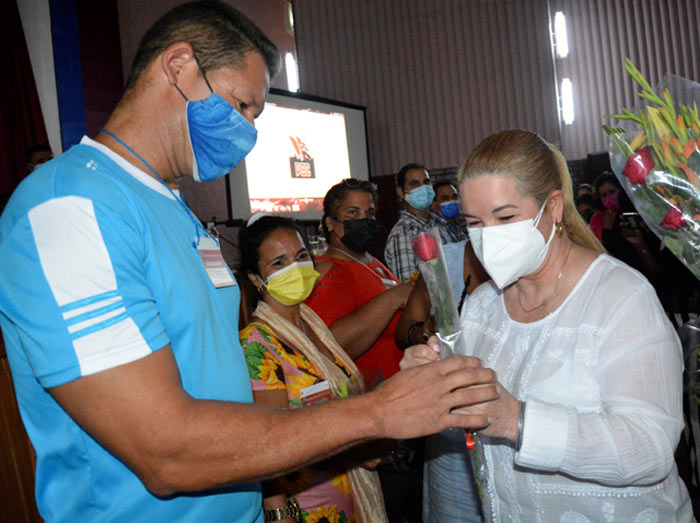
[292,510]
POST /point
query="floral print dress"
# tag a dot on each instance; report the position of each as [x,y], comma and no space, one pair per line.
[323,492]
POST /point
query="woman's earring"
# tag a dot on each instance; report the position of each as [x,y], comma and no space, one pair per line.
[559,228]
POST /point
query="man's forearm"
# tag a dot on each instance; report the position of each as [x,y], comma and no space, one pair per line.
[203,455]
[173,442]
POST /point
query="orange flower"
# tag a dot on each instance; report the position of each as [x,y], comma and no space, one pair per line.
[692,175]
[271,373]
[342,483]
[324,514]
[296,359]
[296,383]
[688,149]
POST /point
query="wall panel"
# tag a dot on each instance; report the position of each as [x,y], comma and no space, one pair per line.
[659,36]
[435,75]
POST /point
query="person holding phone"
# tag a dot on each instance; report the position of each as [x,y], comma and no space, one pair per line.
[622,231]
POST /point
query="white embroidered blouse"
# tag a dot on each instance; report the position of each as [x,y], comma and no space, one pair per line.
[602,378]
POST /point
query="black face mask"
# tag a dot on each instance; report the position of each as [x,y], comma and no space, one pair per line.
[359,234]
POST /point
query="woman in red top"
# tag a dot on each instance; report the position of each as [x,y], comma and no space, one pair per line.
[361,301]
[357,296]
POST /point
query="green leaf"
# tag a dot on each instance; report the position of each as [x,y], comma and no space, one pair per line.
[648,199]
[674,244]
[669,104]
[694,162]
[637,76]
[623,147]
[254,355]
[611,131]
[652,97]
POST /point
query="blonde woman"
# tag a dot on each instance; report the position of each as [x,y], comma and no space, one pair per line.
[590,410]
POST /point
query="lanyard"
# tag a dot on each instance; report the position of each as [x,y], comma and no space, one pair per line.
[197,224]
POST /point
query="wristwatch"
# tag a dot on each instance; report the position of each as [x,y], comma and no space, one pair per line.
[292,510]
[410,333]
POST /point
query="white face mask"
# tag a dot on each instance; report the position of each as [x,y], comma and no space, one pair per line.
[510,251]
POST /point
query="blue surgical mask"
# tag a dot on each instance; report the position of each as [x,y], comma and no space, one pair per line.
[449,210]
[220,137]
[421,197]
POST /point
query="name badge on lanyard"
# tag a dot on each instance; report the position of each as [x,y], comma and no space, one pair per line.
[214,263]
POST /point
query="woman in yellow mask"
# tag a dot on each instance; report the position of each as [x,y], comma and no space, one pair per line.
[294,362]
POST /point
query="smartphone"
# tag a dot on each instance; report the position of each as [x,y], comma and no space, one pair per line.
[631,219]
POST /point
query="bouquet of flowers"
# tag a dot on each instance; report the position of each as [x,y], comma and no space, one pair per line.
[657,159]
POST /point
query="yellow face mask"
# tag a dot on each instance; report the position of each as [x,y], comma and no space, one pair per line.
[292,284]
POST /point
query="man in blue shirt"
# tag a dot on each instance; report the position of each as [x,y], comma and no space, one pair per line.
[120,322]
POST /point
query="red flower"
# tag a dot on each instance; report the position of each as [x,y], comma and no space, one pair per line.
[673,219]
[425,246]
[638,166]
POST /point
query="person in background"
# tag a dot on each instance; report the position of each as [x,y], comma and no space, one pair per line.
[414,189]
[626,236]
[294,362]
[37,155]
[622,231]
[584,189]
[590,369]
[585,205]
[446,205]
[120,317]
[361,301]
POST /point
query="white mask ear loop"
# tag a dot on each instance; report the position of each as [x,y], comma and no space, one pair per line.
[537,222]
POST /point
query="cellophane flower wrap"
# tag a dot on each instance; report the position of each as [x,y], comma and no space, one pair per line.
[427,247]
[656,155]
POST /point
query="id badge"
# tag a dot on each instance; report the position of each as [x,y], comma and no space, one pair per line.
[213,262]
[317,393]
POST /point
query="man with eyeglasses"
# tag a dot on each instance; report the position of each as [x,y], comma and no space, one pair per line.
[120,317]
[414,189]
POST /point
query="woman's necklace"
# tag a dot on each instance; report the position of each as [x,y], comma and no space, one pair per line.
[346,253]
[556,287]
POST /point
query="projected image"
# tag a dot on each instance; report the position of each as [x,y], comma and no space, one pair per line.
[299,155]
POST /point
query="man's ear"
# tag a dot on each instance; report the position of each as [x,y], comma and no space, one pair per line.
[176,59]
[400,193]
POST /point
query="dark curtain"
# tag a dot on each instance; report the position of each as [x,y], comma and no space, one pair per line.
[21,120]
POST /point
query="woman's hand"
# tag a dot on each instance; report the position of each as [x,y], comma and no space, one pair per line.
[502,413]
[421,354]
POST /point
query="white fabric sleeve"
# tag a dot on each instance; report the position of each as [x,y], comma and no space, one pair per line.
[631,440]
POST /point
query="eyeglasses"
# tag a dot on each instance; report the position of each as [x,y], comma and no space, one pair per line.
[362,184]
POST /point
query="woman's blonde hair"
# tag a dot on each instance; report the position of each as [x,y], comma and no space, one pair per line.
[538,168]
